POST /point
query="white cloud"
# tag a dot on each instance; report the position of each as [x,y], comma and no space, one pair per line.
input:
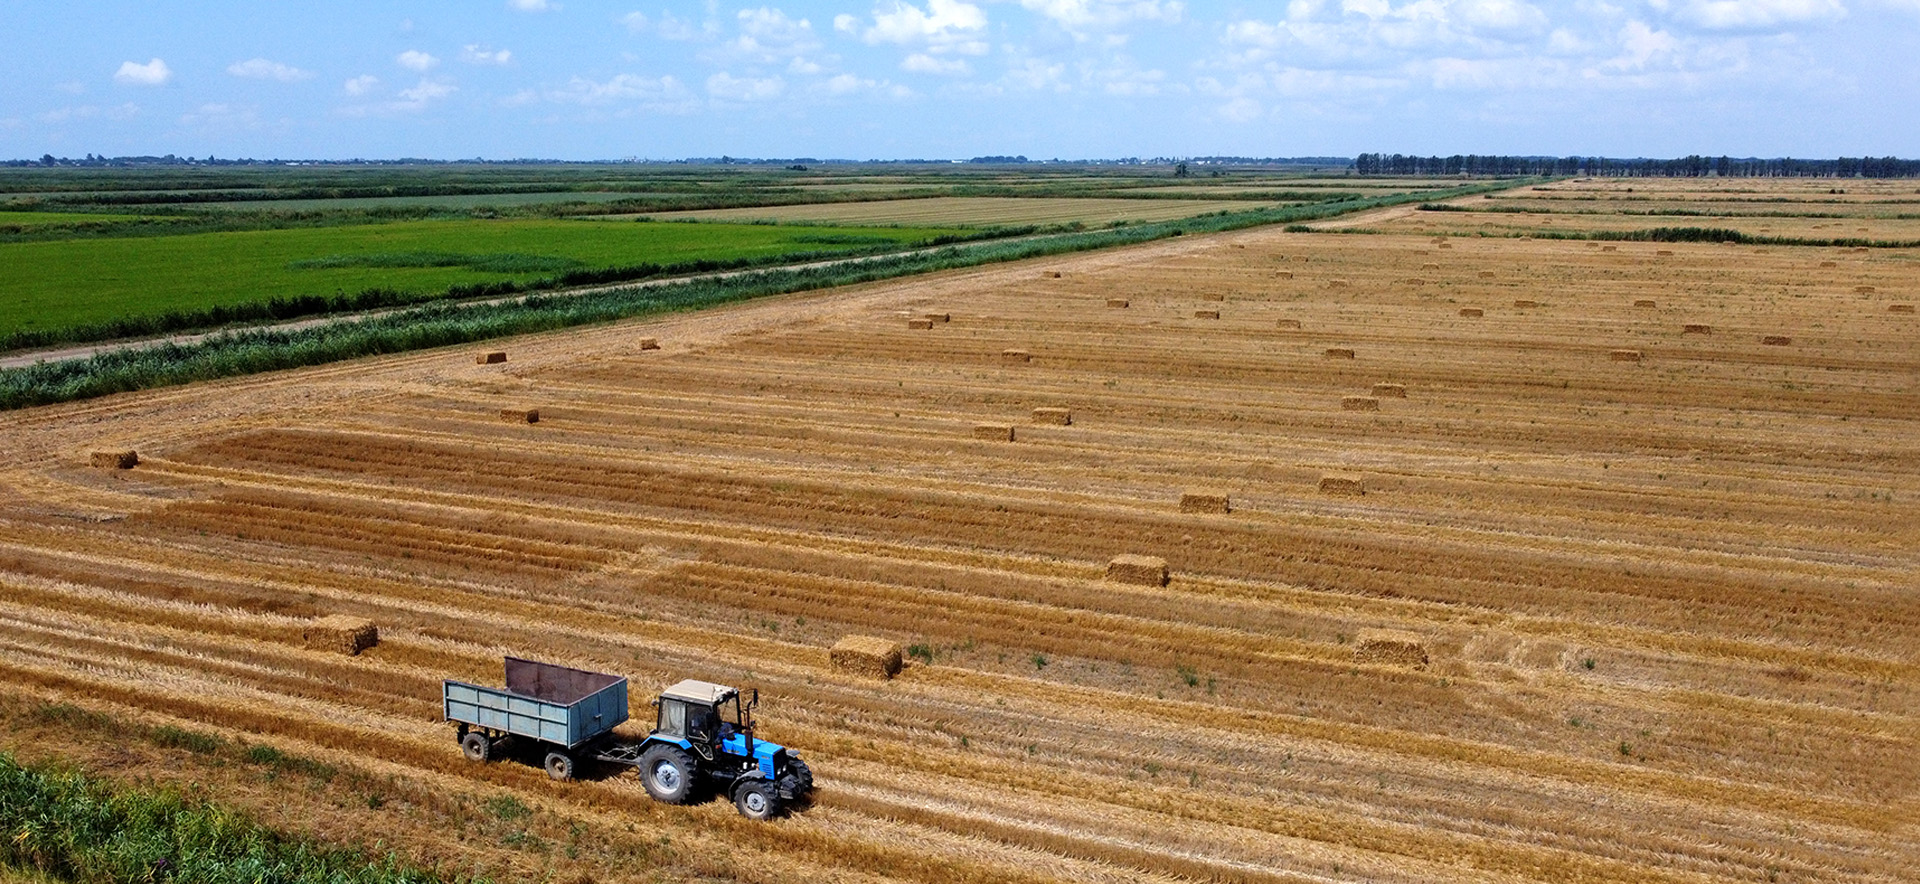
[675,28]
[475,53]
[153,73]
[726,86]
[922,63]
[222,116]
[1080,16]
[635,22]
[262,69]
[422,93]
[532,5]
[1240,110]
[414,59]
[768,36]
[1641,46]
[362,84]
[621,88]
[944,26]
[848,84]
[1758,15]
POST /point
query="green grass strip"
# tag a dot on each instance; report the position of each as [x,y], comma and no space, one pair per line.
[442,324]
[69,828]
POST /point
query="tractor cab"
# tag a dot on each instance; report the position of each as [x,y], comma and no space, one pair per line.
[706,715]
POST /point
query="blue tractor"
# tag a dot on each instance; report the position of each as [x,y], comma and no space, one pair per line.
[702,737]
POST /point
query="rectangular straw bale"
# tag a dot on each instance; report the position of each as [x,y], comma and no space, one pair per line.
[1213,296]
[1609,248]
[1015,357]
[1339,353]
[1862,250]
[115,460]
[1486,274]
[1121,303]
[995,432]
[1591,244]
[1302,259]
[1664,253]
[1051,274]
[1864,290]
[1696,328]
[1390,647]
[919,324]
[866,655]
[1444,245]
[1359,403]
[1390,391]
[1205,502]
[1645,302]
[1472,311]
[1140,570]
[1429,266]
[340,634]
[1337,283]
[1289,323]
[1206,314]
[1899,308]
[1624,355]
[490,358]
[649,343]
[1524,303]
[1343,483]
[1415,280]
[1829,263]
[1282,274]
[937,317]
[520,415]
[1056,416]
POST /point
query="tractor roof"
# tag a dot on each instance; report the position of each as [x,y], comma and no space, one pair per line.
[702,692]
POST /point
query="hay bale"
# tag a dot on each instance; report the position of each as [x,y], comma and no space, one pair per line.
[649,343]
[1472,311]
[1829,263]
[1343,483]
[1899,308]
[1206,314]
[1696,328]
[493,358]
[1213,296]
[1592,245]
[1051,274]
[1390,647]
[866,655]
[1290,323]
[1339,353]
[1121,303]
[1777,341]
[994,432]
[1015,357]
[1302,259]
[1057,416]
[937,317]
[1444,245]
[1486,274]
[1664,253]
[1624,355]
[1863,250]
[1282,274]
[1864,290]
[919,324]
[1525,304]
[1429,266]
[520,415]
[1139,570]
[1415,280]
[1645,302]
[1359,403]
[1390,391]
[1609,248]
[115,460]
[1337,283]
[340,634]
[1204,502]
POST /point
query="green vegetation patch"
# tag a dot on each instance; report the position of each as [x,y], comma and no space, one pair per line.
[66,827]
[58,284]
[16,221]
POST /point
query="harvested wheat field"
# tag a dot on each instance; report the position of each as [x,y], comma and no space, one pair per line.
[1667,610]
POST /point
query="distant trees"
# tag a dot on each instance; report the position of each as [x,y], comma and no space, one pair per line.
[1683,167]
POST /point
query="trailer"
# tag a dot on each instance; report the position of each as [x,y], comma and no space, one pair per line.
[703,734]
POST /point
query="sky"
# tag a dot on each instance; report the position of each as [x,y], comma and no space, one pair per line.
[941,79]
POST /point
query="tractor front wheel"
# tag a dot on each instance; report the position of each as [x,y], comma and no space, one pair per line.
[756,801]
[667,772]
[476,746]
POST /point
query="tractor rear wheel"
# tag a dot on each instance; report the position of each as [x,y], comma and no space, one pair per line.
[667,772]
[756,800]
[559,766]
[476,747]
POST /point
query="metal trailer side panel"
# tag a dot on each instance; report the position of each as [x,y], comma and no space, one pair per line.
[520,715]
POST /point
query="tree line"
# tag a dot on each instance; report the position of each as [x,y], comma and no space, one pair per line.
[1606,167]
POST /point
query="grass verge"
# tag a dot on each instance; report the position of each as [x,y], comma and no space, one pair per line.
[442,324]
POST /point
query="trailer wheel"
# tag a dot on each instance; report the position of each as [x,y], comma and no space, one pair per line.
[667,772]
[755,800]
[559,766]
[476,747]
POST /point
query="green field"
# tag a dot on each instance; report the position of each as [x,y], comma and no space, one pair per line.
[64,283]
[44,219]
